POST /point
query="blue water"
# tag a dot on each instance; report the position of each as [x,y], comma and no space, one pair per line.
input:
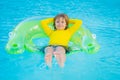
[101,17]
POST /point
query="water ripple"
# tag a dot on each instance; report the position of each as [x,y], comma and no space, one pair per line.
[110,64]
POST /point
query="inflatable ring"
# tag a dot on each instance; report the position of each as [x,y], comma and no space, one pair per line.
[21,38]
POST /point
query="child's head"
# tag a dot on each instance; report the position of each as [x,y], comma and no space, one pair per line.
[61,22]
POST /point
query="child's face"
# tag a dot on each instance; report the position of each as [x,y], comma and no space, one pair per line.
[60,23]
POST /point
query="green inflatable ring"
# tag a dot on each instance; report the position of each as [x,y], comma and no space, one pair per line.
[21,38]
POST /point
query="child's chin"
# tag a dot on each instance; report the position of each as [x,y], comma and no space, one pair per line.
[60,29]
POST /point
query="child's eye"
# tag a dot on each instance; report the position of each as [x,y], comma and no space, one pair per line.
[62,21]
[57,21]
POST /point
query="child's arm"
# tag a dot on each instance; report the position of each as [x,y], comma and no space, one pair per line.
[45,26]
[76,24]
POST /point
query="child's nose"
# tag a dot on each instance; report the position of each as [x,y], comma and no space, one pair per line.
[60,23]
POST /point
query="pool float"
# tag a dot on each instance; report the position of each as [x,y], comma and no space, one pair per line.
[21,38]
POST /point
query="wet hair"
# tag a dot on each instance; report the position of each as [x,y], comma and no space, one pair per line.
[63,16]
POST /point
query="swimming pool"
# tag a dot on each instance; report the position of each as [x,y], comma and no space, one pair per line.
[101,17]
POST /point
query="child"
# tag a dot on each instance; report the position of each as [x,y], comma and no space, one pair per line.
[59,37]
